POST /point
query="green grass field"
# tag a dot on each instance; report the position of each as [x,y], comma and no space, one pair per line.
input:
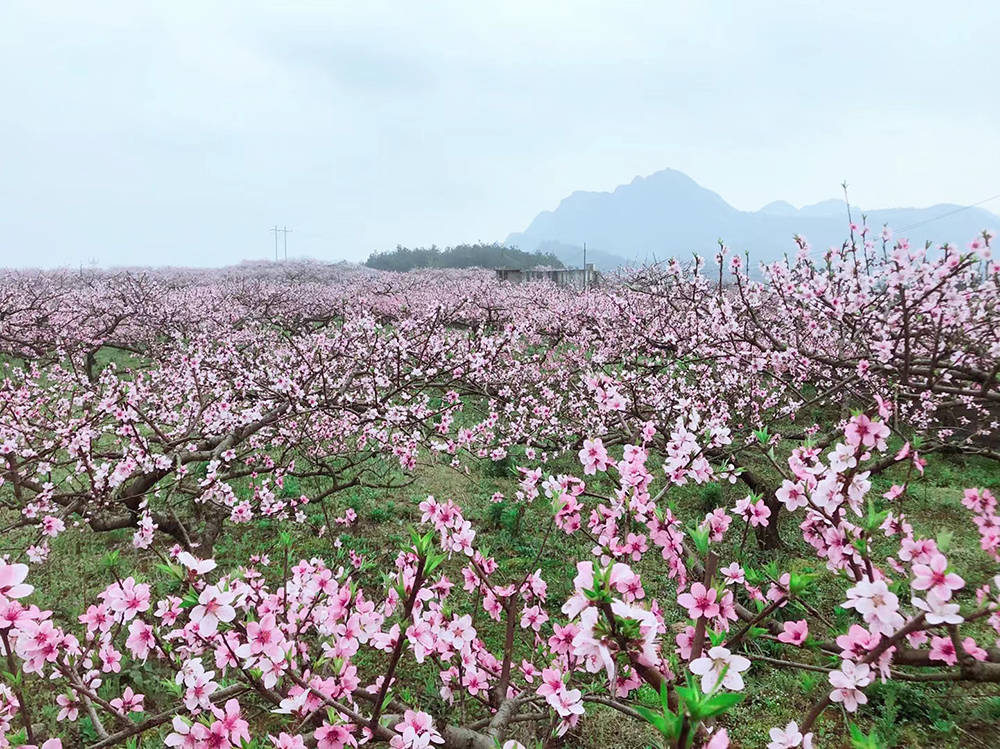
[903,714]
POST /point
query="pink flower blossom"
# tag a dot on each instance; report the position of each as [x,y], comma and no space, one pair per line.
[214,606]
[861,430]
[712,665]
[877,604]
[755,513]
[937,611]
[719,740]
[943,649]
[12,580]
[263,638]
[935,578]
[415,731]
[334,737]
[594,457]
[52,526]
[287,741]
[69,707]
[759,513]
[733,574]
[129,702]
[127,598]
[194,565]
[795,633]
[700,602]
[789,737]
[236,729]
[791,495]
[847,683]
[140,639]
[971,648]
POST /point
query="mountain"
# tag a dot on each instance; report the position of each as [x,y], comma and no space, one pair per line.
[668,214]
[572,256]
[779,208]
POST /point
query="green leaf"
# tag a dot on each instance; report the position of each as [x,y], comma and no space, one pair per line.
[110,560]
[665,697]
[754,632]
[597,596]
[700,538]
[720,703]
[656,720]
[668,723]
[861,741]
[874,519]
[173,570]
[717,638]
[172,687]
[433,562]
[557,502]
[12,679]
[800,582]
[692,698]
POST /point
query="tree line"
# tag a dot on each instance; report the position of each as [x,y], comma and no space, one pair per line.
[479,255]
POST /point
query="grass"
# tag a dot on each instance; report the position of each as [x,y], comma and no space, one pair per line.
[902,714]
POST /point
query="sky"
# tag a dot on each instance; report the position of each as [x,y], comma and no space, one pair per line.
[179,132]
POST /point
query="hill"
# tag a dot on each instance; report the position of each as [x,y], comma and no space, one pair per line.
[668,213]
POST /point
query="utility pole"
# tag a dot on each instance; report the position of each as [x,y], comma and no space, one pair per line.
[284,231]
[584,266]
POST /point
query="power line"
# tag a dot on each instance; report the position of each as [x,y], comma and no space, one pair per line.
[949,213]
[284,231]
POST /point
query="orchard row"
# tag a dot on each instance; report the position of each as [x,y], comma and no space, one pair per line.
[177,405]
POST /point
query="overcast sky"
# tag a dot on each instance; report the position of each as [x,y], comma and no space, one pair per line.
[178,132]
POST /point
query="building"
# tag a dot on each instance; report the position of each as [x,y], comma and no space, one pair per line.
[574,278]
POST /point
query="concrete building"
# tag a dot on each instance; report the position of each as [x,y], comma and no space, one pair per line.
[574,278]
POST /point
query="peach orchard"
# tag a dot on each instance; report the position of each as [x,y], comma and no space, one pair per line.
[179,405]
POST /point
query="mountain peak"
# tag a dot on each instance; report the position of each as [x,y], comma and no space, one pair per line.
[664,176]
[667,213]
[665,179]
[779,208]
[831,207]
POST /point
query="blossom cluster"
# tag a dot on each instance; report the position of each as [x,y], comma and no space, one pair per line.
[602,406]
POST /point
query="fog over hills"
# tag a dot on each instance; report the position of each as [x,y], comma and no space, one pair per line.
[669,214]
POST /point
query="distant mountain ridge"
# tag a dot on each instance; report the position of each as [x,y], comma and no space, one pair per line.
[669,214]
